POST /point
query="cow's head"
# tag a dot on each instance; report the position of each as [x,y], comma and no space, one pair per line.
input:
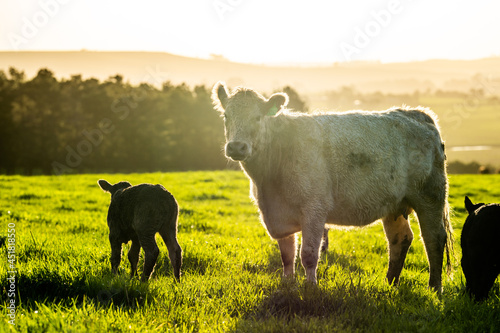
[244,111]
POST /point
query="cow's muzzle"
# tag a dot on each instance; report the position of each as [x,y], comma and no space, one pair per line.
[237,150]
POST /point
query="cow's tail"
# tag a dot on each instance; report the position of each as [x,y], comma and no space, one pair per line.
[449,238]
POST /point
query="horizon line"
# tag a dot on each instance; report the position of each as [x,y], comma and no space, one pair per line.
[222,58]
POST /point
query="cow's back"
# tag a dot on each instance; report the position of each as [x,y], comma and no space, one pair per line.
[376,158]
[385,141]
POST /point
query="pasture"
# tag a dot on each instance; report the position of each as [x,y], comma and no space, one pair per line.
[231,273]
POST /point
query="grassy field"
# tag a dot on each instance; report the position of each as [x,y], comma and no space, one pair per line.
[231,278]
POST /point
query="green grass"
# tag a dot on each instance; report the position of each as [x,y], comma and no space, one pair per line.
[231,271]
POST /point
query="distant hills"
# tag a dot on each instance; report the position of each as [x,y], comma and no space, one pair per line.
[156,67]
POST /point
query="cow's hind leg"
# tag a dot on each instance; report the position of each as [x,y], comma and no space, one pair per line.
[399,237]
[288,250]
[434,237]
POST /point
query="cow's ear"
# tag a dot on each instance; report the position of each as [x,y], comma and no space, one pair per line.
[105,185]
[275,103]
[220,96]
[469,205]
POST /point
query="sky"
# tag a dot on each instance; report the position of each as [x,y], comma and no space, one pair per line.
[258,31]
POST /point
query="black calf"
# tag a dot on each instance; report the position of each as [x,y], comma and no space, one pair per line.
[481,248]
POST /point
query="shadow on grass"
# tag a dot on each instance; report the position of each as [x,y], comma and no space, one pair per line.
[351,301]
[290,300]
[347,305]
[103,288]
[42,285]
[296,307]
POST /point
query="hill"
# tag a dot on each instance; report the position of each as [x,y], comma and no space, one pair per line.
[156,67]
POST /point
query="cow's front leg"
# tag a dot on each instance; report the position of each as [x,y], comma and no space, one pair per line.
[309,251]
[288,249]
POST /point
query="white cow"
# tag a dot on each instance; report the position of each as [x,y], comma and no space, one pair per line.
[347,169]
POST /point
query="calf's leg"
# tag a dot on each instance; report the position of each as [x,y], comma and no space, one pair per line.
[288,250]
[116,252]
[399,237]
[151,251]
[133,255]
[174,250]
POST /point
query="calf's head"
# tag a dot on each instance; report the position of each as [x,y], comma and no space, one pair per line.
[113,188]
[244,111]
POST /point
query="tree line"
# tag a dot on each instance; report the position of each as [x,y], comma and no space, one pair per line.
[78,125]
[73,125]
